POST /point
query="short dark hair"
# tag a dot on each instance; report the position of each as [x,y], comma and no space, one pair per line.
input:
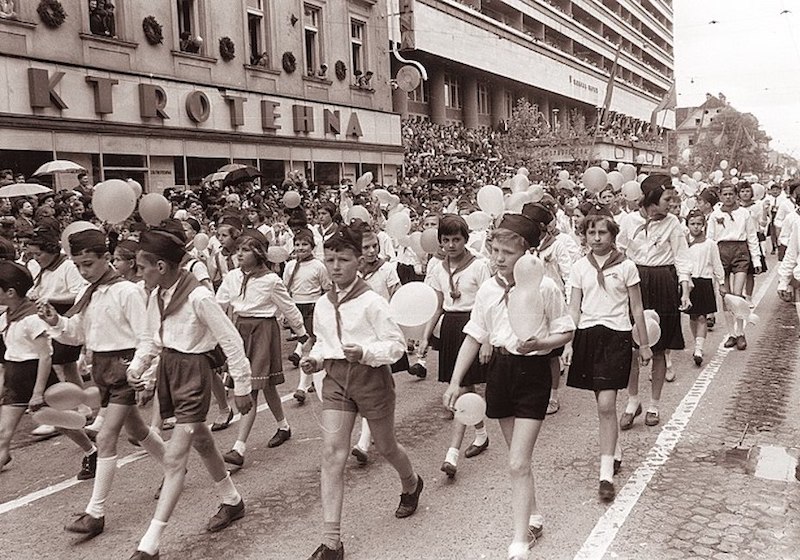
[594,219]
[450,224]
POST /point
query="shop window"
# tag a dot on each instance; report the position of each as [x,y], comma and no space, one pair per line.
[102,18]
[452,92]
[189,26]
[258,32]
[327,173]
[273,171]
[312,26]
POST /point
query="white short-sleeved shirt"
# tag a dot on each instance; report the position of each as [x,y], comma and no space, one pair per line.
[609,306]
[63,283]
[466,281]
[489,321]
[383,280]
[310,282]
[21,338]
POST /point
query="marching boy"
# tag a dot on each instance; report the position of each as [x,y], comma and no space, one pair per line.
[518,381]
[109,318]
[187,323]
[356,342]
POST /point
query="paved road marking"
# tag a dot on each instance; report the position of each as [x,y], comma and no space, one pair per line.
[11,505]
[607,527]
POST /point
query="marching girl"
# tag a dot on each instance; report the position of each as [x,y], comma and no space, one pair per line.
[605,294]
[256,296]
[654,240]
[456,282]
[558,252]
[734,232]
[758,213]
[706,267]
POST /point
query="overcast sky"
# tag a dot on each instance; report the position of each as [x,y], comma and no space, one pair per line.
[751,54]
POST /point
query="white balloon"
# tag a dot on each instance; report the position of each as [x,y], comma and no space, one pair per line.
[516,201]
[413,304]
[525,304]
[723,164]
[470,409]
[653,324]
[478,220]
[536,193]
[398,225]
[490,200]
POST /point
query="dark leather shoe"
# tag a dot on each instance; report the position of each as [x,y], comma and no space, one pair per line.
[606,492]
[475,450]
[86,525]
[361,456]
[741,342]
[225,516]
[449,469]
[142,555]
[294,359]
[409,502]
[626,420]
[233,457]
[730,342]
[418,370]
[280,437]
[300,396]
[535,533]
[217,426]
[88,467]
[651,419]
[325,553]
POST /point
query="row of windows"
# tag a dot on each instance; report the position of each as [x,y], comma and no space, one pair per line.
[452,94]
[105,18]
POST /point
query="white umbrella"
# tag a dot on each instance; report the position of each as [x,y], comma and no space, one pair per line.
[23,189]
[58,166]
[217,176]
[231,167]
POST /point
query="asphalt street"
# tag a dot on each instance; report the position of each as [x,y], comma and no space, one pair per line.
[716,479]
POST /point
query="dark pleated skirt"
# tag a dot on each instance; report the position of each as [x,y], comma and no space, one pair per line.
[601,359]
[661,292]
[703,298]
[262,344]
[452,335]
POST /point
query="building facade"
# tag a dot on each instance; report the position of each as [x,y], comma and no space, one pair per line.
[482,56]
[167,91]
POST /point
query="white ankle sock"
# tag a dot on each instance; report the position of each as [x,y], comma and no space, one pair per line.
[298,349]
[480,436]
[699,342]
[152,538]
[305,382]
[633,404]
[618,451]
[452,456]
[283,424]
[607,467]
[668,359]
[227,491]
[240,447]
[103,479]
[90,452]
[536,520]
[154,445]
[553,394]
[365,440]
[653,405]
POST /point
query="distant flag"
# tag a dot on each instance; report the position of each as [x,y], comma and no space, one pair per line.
[717,140]
[670,101]
[610,86]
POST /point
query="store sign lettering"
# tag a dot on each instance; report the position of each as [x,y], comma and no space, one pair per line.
[153,99]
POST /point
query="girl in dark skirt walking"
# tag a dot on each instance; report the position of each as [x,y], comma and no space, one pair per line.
[605,293]
[655,241]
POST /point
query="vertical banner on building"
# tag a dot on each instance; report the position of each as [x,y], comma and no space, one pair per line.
[610,86]
[407,41]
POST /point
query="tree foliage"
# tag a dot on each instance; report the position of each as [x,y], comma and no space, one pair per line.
[735,137]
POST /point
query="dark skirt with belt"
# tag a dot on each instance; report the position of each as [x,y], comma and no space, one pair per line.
[661,292]
[452,335]
[262,345]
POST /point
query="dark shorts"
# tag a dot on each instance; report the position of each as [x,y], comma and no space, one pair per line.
[307,311]
[517,386]
[358,388]
[735,256]
[184,386]
[109,371]
[601,359]
[63,353]
[20,380]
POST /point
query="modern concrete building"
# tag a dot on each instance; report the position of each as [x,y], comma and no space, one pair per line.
[483,55]
[167,91]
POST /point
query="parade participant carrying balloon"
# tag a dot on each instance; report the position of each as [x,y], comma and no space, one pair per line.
[357,340]
[605,294]
[110,319]
[654,240]
[456,281]
[518,380]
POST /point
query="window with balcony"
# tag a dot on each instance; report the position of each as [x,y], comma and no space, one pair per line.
[257,32]
[312,28]
[102,18]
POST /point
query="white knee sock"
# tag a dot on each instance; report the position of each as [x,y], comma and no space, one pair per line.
[152,538]
[103,479]
[607,467]
[699,342]
[154,445]
[365,440]
[227,491]
[452,456]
